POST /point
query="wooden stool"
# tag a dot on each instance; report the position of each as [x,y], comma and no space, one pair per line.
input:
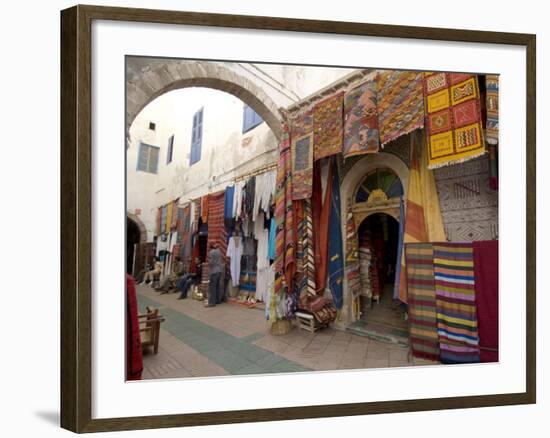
[306,321]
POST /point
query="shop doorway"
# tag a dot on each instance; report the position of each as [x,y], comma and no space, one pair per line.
[378,236]
[133,238]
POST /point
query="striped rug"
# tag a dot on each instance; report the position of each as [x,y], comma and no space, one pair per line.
[422,300]
[456,310]
[216,226]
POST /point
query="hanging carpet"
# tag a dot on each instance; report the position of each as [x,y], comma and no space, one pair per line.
[453,116]
[400,103]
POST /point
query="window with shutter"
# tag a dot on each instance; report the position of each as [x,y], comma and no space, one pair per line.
[196,137]
[148,158]
[251,119]
[170,150]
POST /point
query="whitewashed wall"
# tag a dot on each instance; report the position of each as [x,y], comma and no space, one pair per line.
[226,152]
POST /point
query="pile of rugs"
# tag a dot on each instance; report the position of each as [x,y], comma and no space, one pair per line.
[366,265]
[453,301]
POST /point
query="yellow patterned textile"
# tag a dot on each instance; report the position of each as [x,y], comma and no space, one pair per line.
[169,210]
[453,118]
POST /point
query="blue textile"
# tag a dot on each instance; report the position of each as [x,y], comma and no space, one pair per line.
[272,239]
[229,220]
[335,253]
[399,248]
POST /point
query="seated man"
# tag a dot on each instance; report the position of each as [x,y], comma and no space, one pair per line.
[170,281]
[149,276]
[192,277]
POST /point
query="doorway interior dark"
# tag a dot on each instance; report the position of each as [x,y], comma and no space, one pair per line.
[132,240]
[378,238]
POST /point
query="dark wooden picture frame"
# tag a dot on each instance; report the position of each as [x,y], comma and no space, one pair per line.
[76,217]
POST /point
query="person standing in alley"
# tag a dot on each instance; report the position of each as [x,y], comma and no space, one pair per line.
[216,274]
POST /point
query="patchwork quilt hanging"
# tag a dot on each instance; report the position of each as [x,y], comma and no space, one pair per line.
[422,301]
[301,135]
[328,126]
[453,118]
[361,119]
[400,103]
[456,306]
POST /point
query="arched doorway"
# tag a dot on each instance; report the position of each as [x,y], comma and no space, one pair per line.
[133,238]
[374,185]
[376,210]
[136,244]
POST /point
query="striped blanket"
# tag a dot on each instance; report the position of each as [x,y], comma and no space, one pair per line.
[422,300]
[285,265]
[216,226]
[456,309]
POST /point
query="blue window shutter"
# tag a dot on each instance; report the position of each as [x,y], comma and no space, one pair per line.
[196,137]
[251,119]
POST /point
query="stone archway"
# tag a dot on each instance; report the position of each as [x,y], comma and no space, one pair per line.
[354,177]
[148,78]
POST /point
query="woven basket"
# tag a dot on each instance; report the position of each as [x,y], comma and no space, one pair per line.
[281,327]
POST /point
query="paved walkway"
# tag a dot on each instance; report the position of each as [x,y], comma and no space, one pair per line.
[230,340]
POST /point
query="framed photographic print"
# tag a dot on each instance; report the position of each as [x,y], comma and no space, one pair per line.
[343,224]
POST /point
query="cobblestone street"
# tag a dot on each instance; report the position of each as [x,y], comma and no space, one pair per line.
[230,339]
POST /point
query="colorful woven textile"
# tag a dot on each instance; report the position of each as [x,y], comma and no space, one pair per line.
[400,103]
[175,217]
[229,219]
[453,116]
[321,219]
[284,246]
[169,211]
[134,359]
[400,244]
[302,155]
[335,256]
[328,126]
[491,104]
[423,220]
[422,301]
[353,270]
[486,287]
[216,226]
[204,209]
[456,307]
[184,235]
[361,119]
[158,222]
